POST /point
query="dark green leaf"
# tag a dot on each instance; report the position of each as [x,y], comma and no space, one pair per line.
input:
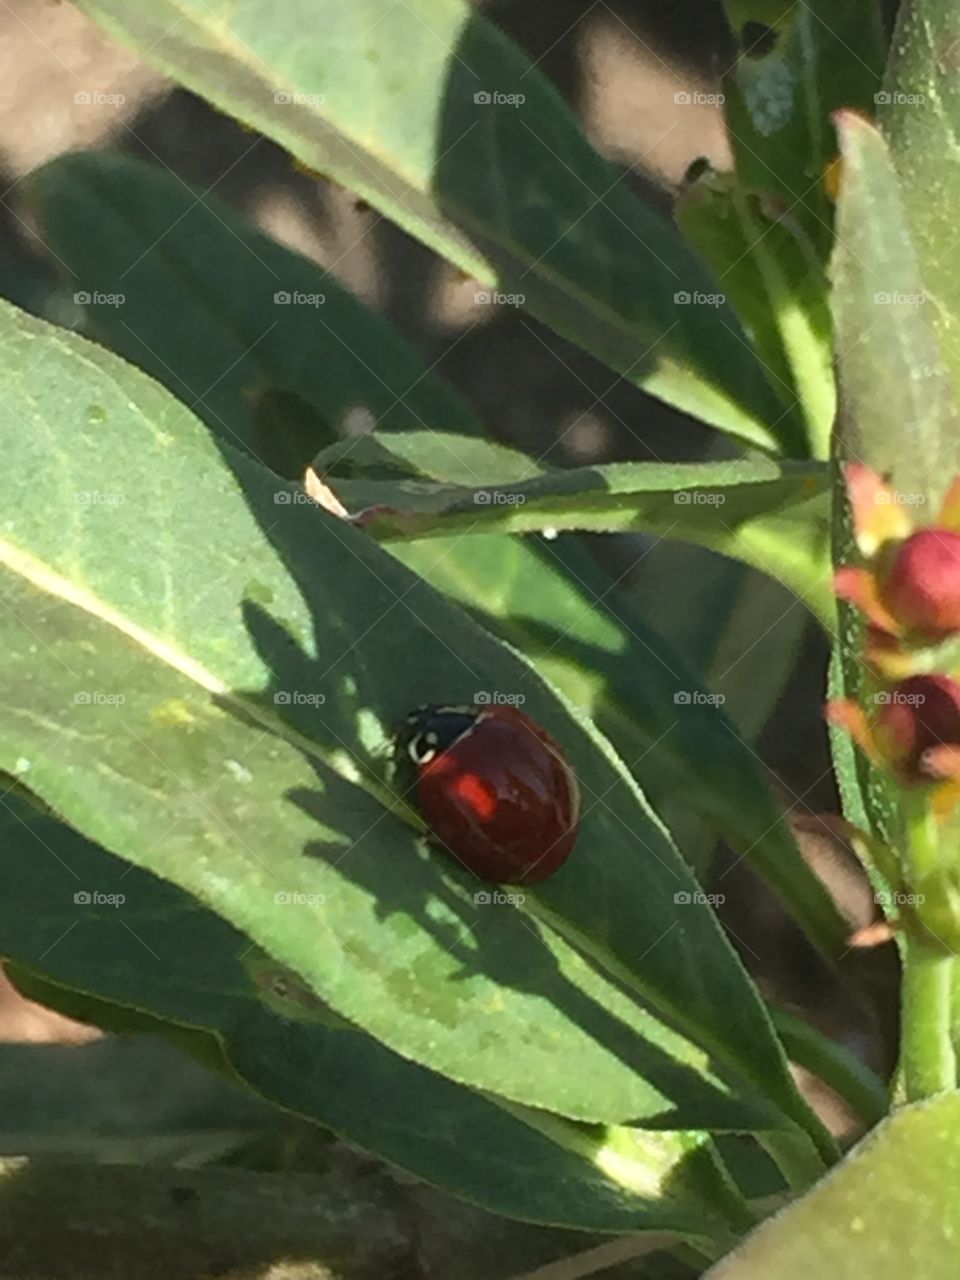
[404,105]
[159,949]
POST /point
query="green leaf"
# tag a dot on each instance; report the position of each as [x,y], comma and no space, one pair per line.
[125,1221]
[384,99]
[671,729]
[202,635]
[199,313]
[890,1209]
[899,410]
[771,515]
[920,117]
[781,95]
[769,268]
[123,1099]
[160,950]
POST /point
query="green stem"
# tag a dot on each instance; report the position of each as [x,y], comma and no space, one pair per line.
[928,1063]
[795,1155]
[835,1065]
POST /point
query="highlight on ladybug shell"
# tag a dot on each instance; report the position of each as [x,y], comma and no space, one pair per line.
[494,788]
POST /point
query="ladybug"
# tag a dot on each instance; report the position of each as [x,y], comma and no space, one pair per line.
[493,787]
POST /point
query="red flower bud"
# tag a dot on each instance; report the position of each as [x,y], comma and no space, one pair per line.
[922,588]
[922,714]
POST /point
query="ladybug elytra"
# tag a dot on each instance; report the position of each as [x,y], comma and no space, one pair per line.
[493,787]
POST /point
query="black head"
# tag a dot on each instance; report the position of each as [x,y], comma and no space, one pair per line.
[431,729]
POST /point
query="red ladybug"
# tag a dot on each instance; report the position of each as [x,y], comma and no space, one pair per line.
[493,787]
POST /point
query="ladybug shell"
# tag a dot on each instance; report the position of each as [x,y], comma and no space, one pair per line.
[502,798]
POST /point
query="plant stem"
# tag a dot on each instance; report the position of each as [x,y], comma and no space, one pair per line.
[836,1066]
[928,1063]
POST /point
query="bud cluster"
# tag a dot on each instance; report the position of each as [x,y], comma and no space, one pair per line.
[908,589]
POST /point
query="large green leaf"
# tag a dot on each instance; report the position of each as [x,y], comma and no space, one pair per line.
[215,782]
[198,311]
[899,413]
[160,950]
[890,1210]
[920,117]
[393,101]
[101,214]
